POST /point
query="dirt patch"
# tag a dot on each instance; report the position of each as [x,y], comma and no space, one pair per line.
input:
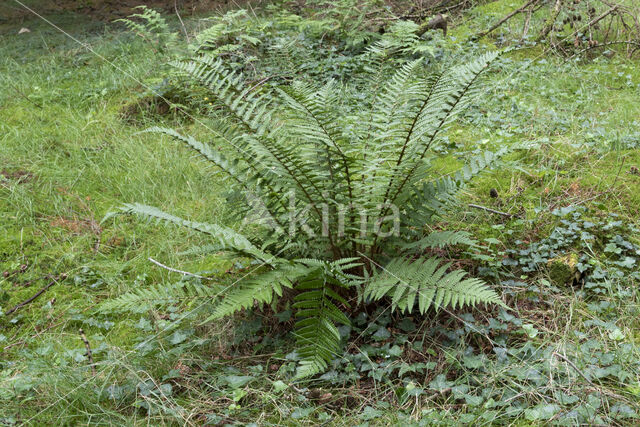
[108,10]
[76,226]
[19,176]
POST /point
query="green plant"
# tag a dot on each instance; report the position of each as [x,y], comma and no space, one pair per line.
[228,34]
[358,182]
[152,27]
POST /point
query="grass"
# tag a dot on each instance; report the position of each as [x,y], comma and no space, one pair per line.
[67,157]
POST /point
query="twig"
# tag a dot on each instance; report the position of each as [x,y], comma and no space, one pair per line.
[22,94]
[598,19]
[527,21]
[570,363]
[184,29]
[471,205]
[259,83]
[548,26]
[175,270]
[632,43]
[37,294]
[506,18]
[89,355]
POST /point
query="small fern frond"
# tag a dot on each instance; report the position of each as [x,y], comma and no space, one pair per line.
[427,282]
[440,239]
[143,299]
[227,238]
[152,26]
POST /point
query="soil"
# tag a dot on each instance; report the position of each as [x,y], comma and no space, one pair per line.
[108,10]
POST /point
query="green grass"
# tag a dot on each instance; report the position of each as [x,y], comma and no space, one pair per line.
[67,158]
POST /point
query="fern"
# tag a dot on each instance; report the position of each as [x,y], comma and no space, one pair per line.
[144,299]
[317,336]
[430,284]
[227,238]
[329,175]
[151,26]
[440,239]
[259,289]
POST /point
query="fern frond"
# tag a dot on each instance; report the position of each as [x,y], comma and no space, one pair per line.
[160,294]
[440,239]
[426,199]
[204,150]
[257,134]
[227,238]
[258,289]
[446,97]
[152,26]
[316,334]
[427,282]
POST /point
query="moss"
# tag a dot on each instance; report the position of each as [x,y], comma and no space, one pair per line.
[562,270]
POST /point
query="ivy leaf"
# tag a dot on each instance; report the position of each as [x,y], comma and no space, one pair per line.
[541,412]
[237,381]
[407,325]
[368,413]
[616,335]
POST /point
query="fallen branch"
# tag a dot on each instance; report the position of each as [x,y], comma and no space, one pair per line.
[37,294]
[506,18]
[84,339]
[484,208]
[629,43]
[440,21]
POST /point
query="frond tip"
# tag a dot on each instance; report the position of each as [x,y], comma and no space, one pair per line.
[427,282]
[228,239]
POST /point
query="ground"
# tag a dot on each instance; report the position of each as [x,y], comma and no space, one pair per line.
[71,151]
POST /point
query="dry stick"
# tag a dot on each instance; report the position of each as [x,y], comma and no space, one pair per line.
[175,270]
[89,355]
[471,205]
[506,18]
[600,18]
[22,94]
[527,22]
[632,43]
[184,29]
[551,21]
[37,294]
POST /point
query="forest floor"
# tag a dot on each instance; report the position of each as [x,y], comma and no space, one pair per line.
[566,256]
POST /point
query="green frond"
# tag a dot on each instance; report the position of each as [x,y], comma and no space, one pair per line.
[227,238]
[318,339]
[256,134]
[426,199]
[440,239]
[160,294]
[442,99]
[151,25]
[427,283]
[477,164]
[258,289]
[204,150]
